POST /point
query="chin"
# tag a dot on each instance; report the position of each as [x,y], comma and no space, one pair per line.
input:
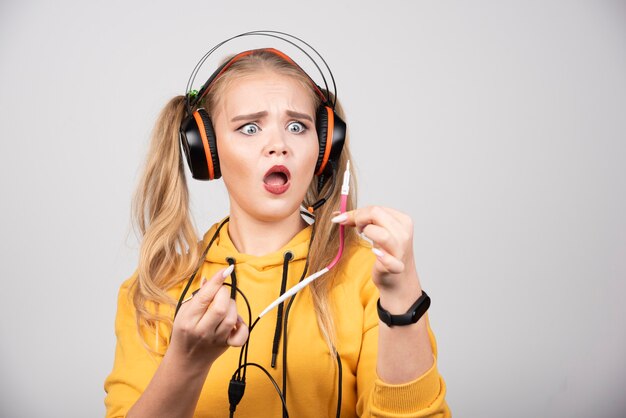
[264,207]
[275,210]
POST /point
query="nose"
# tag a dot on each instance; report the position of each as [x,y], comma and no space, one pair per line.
[276,145]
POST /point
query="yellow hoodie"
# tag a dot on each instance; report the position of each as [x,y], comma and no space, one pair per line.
[312,377]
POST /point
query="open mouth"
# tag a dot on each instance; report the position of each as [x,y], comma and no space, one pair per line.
[276,180]
[277,176]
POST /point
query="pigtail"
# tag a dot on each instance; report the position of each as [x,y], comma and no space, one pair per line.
[326,242]
[168,251]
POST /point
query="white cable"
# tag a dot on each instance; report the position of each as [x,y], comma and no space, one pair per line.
[292,291]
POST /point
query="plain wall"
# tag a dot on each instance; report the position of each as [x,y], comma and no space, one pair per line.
[499,126]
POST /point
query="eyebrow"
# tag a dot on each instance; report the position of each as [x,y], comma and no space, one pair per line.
[258,115]
[299,115]
[250,116]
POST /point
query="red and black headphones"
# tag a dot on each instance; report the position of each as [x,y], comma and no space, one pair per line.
[197,136]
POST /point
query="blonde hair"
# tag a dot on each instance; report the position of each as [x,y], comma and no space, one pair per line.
[170,252]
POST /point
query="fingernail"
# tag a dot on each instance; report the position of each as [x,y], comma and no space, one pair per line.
[340,218]
[377,252]
[229,270]
[203,281]
[366,238]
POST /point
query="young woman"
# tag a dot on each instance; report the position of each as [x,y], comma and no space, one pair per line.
[326,348]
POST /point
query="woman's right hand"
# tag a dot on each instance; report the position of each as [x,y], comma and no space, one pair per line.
[208,323]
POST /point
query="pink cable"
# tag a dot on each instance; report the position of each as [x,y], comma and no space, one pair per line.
[305,282]
[344,203]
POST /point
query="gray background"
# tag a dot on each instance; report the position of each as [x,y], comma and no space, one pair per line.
[499,126]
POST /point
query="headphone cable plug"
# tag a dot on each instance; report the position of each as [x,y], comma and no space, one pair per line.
[236,388]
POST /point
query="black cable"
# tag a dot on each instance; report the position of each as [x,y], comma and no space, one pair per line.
[287,310]
[304,273]
[281,306]
[340,386]
[245,299]
[238,378]
[308,215]
[282,399]
[285,345]
[200,263]
[320,183]
[240,374]
[244,350]
[237,384]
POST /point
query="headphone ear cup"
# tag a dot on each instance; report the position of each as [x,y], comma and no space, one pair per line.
[212,144]
[331,135]
[199,145]
[321,125]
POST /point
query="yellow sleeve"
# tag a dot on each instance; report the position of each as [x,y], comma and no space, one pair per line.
[133,366]
[422,397]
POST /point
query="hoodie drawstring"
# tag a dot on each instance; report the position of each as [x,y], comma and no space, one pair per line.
[233,279]
[279,317]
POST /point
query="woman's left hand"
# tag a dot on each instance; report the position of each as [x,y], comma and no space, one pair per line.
[391,233]
[405,352]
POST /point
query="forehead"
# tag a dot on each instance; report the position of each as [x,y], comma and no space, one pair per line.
[257,91]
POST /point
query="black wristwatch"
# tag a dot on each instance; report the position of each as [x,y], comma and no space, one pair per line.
[413,315]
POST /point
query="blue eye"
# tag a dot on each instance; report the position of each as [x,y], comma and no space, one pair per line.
[249,129]
[296,127]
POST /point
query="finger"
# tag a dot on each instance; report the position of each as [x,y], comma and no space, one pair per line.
[239,335]
[361,217]
[203,297]
[224,328]
[387,263]
[202,282]
[383,239]
[381,216]
[400,216]
[346,218]
[216,311]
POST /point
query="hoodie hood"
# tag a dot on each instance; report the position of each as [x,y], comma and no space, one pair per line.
[260,273]
[224,248]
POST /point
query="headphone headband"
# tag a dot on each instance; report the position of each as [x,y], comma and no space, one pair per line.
[221,70]
[192,99]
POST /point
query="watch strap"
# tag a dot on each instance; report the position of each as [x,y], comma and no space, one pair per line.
[415,312]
